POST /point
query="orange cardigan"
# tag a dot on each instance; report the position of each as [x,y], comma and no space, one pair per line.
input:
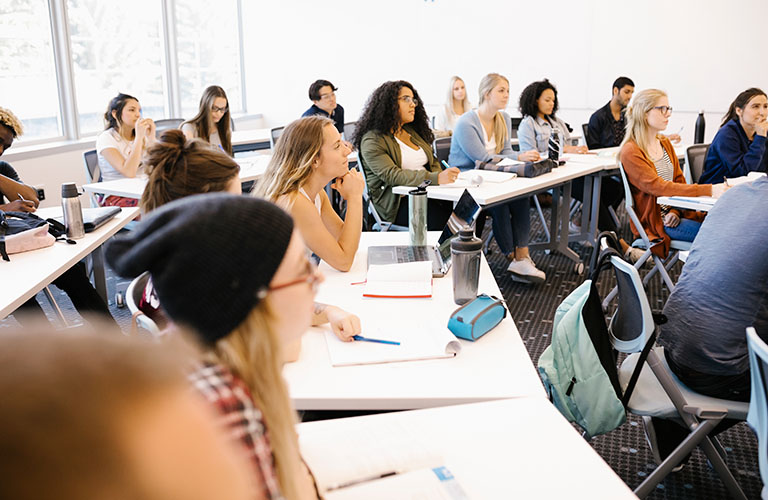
[646,185]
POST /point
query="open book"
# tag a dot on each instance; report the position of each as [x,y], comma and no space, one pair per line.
[419,339]
[375,460]
[404,280]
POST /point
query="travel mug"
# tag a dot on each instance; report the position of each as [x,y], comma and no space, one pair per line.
[417,216]
[73,212]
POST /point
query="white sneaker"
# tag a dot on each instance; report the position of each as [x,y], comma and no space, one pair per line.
[525,271]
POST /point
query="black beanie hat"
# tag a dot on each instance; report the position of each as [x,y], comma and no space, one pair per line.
[208,255]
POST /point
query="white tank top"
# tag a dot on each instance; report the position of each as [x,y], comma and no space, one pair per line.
[412,159]
[318,202]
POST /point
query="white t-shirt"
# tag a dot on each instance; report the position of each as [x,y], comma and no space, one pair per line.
[413,159]
[214,139]
[490,142]
[110,138]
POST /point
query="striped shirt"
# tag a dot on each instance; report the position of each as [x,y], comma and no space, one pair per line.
[666,171]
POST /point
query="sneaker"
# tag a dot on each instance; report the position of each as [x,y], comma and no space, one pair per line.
[525,271]
[634,254]
[653,444]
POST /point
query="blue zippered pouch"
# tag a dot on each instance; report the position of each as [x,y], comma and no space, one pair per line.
[477,317]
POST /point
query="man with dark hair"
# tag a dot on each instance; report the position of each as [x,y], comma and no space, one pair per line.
[606,125]
[322,93]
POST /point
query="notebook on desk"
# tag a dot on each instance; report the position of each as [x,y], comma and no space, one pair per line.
[464,213]
[94,218]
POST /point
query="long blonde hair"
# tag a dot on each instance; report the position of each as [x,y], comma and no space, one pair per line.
[500,132]
[465,106]
[253,352]
[637,120]
[296,151]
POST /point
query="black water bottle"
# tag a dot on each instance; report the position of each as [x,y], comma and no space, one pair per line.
[698,132]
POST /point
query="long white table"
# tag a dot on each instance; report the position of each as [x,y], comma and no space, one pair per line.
[251,168]
[516,448]
[496,366]
[29,272]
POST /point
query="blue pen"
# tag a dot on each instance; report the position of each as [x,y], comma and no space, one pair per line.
[445,164]
[378,341]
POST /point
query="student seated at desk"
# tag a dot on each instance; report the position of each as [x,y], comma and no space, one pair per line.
[739,146]
[234,271]
[179,168]
[538,105]
[652,170]
[308,156]
[607,125]
[15,196]
[322,93]
[90,415]
[394,141]
[456,104]
[483,135]
[212,122]
[122,143]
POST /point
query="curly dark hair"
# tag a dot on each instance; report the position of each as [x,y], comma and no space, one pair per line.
[382,110]
[530,94]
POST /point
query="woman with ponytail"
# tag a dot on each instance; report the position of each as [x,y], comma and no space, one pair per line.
[212,122]
[483,135]
[739,146]
[651,166]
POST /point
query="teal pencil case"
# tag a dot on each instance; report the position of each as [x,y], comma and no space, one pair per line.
[477,317]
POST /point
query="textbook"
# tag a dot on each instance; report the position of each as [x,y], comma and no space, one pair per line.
[403,280]
[419,339]
[375,461]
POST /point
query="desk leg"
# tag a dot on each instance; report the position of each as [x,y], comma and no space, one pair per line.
[99,276]
[562,238]
[597,180]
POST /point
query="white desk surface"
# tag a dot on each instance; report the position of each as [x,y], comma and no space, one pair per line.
[516,448]
[496,366]
[240,137]
[494,192]
[29,272]
[613,152]
[702,204]
[251,168]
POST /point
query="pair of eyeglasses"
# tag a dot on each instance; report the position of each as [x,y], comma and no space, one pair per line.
[217,109]
[664,109]
[325,97]
[310,277]
[410,100]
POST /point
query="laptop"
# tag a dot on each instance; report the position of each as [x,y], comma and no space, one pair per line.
[94,218]
[464,213]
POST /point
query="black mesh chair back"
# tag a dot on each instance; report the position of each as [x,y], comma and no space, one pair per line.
[442,147]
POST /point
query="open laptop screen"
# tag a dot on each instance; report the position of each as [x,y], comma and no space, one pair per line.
[464,214]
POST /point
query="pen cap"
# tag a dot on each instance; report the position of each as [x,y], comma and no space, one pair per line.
[69,190]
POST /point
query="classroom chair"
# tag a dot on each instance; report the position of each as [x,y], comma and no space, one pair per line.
[442,148]
[349,131]
[758,404]
[659,393]
[92,173]
[132,300]
[379,224]
[167,124]
[274,135]
[694,162]
[585,131]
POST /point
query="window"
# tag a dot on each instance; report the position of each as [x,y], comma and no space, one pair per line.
[116,47]
[27,69]
[208,48]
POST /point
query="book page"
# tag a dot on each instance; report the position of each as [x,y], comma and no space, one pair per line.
[423,484]
[361,450]
[418,340]
[493,176]
[410,279]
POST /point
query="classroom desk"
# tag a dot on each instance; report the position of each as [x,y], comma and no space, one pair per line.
[700,203]
[497,366]
[29,272]
[251,168]
[515,448]
[250,140]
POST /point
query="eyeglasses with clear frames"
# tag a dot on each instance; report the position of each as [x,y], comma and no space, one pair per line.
[410,100]
[326,97]
[310,277]
[217,109]
[664,109]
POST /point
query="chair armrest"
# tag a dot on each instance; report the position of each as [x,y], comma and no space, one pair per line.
[710,413]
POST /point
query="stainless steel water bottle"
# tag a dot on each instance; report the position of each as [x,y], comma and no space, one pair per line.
[465,258]
[73,212]
[698,132]
[417,215]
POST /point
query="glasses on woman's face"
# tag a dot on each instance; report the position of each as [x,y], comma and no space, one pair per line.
[309,277]
[410,100]
[664,109]
[217,109]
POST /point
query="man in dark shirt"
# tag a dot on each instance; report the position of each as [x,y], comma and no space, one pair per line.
[322,93]
[15,196]
[606,125]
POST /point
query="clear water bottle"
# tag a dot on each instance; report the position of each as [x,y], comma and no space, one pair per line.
[417,215]
[73,212]
[698,132]
[554,146]
[465,258]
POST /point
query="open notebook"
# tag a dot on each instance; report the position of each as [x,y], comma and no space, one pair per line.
[375,461]
[418,340]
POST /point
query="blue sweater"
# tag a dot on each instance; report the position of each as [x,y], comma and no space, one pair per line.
[468,142]
[732,154]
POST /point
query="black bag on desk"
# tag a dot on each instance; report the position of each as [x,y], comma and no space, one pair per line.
[527,169]
[22,231]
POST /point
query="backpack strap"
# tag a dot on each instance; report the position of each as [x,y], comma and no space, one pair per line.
[638,367]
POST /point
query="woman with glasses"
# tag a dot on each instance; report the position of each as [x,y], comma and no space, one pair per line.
[308,156]
[394,141]
[651,166]
[322,93]
[212,122]
[248,299]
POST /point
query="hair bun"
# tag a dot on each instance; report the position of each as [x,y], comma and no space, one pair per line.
[173,138]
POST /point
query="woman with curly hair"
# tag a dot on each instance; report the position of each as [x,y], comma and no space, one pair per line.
[393,137]
[538,104]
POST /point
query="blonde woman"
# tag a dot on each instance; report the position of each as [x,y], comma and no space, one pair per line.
[212,122]
[652,169]
[246,289]
[308,156]
[483,135]
[456,104]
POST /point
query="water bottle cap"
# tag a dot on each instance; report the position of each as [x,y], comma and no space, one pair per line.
[69,190]
[466,242]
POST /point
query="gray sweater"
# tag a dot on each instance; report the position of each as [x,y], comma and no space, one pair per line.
[468,142]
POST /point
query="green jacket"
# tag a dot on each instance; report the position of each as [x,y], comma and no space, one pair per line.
[380,158]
